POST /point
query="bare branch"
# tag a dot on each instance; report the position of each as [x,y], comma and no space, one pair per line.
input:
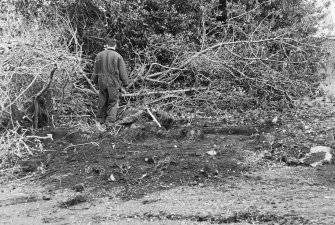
[143,93]
[90,83]
[210,49]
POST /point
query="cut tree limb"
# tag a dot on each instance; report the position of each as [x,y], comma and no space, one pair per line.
[48,136]
[142,93]
[85,90]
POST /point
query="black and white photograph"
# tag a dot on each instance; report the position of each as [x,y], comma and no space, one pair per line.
[167,112]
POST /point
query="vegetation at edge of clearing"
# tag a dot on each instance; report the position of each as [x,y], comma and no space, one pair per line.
[261,58]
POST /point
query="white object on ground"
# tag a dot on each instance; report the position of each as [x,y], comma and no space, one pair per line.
[211,153]
[153,117]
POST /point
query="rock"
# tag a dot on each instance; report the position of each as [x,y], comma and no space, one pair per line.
[291,161]
[275,120]
[46,198]
[209,171]
[79,187]
[201,185]
[211,153]
[151,159]
[111,178]
[98,169]
[73,201]
[318,155]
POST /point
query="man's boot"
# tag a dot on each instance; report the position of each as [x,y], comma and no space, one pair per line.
[111,115]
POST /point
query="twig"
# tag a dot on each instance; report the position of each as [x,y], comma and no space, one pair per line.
[88,143]
[166,67]
[85,90]
[162,98]
[155,81]
[74,116]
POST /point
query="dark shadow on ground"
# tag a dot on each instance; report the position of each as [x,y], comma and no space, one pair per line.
[137,166]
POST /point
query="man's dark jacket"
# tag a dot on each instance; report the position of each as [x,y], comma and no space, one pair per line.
[110,69]
[109,72]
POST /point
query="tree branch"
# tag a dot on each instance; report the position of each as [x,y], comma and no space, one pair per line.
[142,93]
[90,83]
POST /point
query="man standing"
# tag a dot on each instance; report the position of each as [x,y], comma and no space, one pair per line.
[109,72]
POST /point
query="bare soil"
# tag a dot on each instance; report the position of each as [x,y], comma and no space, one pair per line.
[146,176]
[140,163]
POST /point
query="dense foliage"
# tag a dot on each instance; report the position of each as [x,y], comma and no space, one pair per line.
[262,55]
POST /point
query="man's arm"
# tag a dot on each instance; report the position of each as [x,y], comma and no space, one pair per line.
[96,70]
[123,72]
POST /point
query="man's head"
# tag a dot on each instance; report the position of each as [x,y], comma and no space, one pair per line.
[110,43]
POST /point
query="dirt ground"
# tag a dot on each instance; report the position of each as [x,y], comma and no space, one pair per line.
[145,176]
[280,195]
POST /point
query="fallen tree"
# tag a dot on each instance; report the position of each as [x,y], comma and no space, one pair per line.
[239,74]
